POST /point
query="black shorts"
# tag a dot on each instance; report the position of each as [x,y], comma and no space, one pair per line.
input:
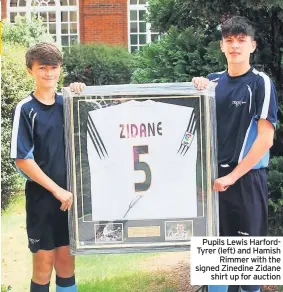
[243,207]
[47,225]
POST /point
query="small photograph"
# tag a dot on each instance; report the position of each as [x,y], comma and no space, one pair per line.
[108,233]
[178,230]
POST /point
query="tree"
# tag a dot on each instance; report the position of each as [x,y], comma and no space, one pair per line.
[97,64]
[266,16]
[15,86]
[178,57]
[275,185]
[25,32]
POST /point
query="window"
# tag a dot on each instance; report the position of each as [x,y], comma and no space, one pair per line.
[60,17]
[139,30]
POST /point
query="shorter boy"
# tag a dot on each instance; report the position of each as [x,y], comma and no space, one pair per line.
[39,150]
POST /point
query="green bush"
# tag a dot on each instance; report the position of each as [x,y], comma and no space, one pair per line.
[25,32]
[16,84]
[177,57]
[275,185]
[97,65]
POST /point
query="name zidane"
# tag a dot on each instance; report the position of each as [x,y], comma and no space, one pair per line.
[140,130]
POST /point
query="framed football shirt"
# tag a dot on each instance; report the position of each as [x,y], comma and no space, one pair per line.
[141,159]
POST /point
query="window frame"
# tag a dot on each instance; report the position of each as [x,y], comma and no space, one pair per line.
[57,8]
[148,33]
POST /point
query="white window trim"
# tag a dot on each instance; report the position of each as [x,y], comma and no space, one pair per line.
[28,10]
[137,7]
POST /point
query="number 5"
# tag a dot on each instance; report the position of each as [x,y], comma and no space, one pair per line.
[138,165]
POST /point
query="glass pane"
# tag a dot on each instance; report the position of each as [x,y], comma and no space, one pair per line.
[142,1]
[64,2]
[52,17]
[12,16]
[22,3]
[22,14]
[154,37]
[54,37]
[134,26]
[142,26]
[13,3]
[133,15]
[73,28]
[43,15]
[45,26]
[133,1]
[134,48]
[52,28]
[142,15]
[65,40]
[64,28]
[74,39]
[64,16]
[72,2]
[42,2]
[134,39]
[142,38]
[73,16]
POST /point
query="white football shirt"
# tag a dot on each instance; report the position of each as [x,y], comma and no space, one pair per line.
[129,184]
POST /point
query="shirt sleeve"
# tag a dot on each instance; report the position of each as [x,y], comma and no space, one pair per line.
[22,144]
[266,100]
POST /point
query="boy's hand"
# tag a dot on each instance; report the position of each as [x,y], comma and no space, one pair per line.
[65,197]
[77,87]
[200,83]
[223,183]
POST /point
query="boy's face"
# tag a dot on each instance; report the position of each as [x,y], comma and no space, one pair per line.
[237,48]
[46,76]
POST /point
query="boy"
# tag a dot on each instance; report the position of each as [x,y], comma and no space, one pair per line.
[39,150]
[246,110]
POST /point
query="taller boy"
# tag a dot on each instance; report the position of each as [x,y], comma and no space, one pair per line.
[246,109]
[39,149]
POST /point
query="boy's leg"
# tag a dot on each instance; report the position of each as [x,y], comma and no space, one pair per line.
[255,209]
[217,288]
[229,206]
[42,270]
[64,265]
[247,204]
[40,235]
[243,208]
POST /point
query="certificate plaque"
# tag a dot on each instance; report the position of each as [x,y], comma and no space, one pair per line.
[141,162]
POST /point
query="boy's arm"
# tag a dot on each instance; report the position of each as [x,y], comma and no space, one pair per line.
[266,114]
[22,146]
[33,171]
[260,146]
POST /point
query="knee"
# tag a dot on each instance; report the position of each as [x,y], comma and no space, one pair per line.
[41,277]
[65,267]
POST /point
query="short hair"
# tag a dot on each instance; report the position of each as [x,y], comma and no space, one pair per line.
[45,54]
[237,25]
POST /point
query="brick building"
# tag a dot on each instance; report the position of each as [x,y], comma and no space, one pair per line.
[114,22]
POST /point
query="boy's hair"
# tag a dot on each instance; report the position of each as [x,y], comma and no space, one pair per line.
[237,25]
[45,54]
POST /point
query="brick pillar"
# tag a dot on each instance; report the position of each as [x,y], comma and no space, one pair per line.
[104,21]
[3,9]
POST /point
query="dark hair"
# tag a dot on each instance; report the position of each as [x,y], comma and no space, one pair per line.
[45,54]
[237,25]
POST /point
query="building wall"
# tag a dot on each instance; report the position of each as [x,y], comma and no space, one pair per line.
[3,9]
[104,21]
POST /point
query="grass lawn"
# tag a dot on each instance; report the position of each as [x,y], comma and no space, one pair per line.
[98,273]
